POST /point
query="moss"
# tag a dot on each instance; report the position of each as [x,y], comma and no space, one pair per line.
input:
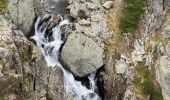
[3,5]
[2,97]
[1,61]
[27,85]
[132,13]
[145,83]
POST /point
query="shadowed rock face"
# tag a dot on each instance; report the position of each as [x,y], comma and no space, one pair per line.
[23,70]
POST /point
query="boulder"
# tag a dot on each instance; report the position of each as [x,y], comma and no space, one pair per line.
[81,55]
[22,14]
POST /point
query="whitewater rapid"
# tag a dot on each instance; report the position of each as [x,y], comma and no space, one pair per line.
[50,50]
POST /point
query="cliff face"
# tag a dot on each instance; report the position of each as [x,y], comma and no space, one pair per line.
[125,41]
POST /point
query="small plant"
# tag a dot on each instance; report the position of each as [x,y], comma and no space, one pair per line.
[132,13]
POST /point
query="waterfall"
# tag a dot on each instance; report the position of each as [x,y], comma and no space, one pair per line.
[50,50]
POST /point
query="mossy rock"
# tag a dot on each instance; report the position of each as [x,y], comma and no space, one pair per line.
[27,85]
[3,5]
[144,82]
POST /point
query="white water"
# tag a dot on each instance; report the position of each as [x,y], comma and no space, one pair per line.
[51,51]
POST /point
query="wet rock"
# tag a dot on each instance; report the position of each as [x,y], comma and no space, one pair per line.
[81,55]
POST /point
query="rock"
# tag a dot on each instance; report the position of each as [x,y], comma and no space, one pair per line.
[108,4]
[74,9]
[22,14]
[84,22]
[55,84]
[92,6]
[163,75]
[24,69]
[81,55]
[137,54]
[121,66]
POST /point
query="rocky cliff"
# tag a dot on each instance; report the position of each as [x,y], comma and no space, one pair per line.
[125,42]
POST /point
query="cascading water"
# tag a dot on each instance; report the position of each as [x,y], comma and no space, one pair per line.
[50,49]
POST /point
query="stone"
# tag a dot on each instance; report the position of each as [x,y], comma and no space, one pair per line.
[121,66]
[55,84]
[84,22]
[24,70]
[22,14]
[108,4]
[74,9]
[139,50]
[92,6]
[163,75]
[81,55]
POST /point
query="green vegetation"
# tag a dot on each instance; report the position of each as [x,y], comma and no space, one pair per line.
[2,97]
[132,13]
[3,5]
[146,83]
[27,85]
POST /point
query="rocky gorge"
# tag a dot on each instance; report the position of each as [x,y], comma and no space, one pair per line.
[84,50]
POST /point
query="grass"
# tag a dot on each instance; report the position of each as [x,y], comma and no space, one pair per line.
[132,13]
[147,87]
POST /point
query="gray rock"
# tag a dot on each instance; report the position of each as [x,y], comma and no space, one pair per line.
[121,66]
[25,72]
[92,6]
[108,4]
[163,75]
[22,13]
[81,55]
[137,54]
[84,22]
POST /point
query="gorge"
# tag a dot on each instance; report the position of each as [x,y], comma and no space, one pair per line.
[84,49]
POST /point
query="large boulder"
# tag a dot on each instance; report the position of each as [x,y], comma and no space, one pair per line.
[81,54]
[22,14]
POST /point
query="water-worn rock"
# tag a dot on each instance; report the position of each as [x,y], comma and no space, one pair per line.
[81,55]
[22,14]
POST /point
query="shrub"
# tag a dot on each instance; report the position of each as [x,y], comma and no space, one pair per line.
[132,13]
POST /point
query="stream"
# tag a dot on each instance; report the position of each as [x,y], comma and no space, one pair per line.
[50,49]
